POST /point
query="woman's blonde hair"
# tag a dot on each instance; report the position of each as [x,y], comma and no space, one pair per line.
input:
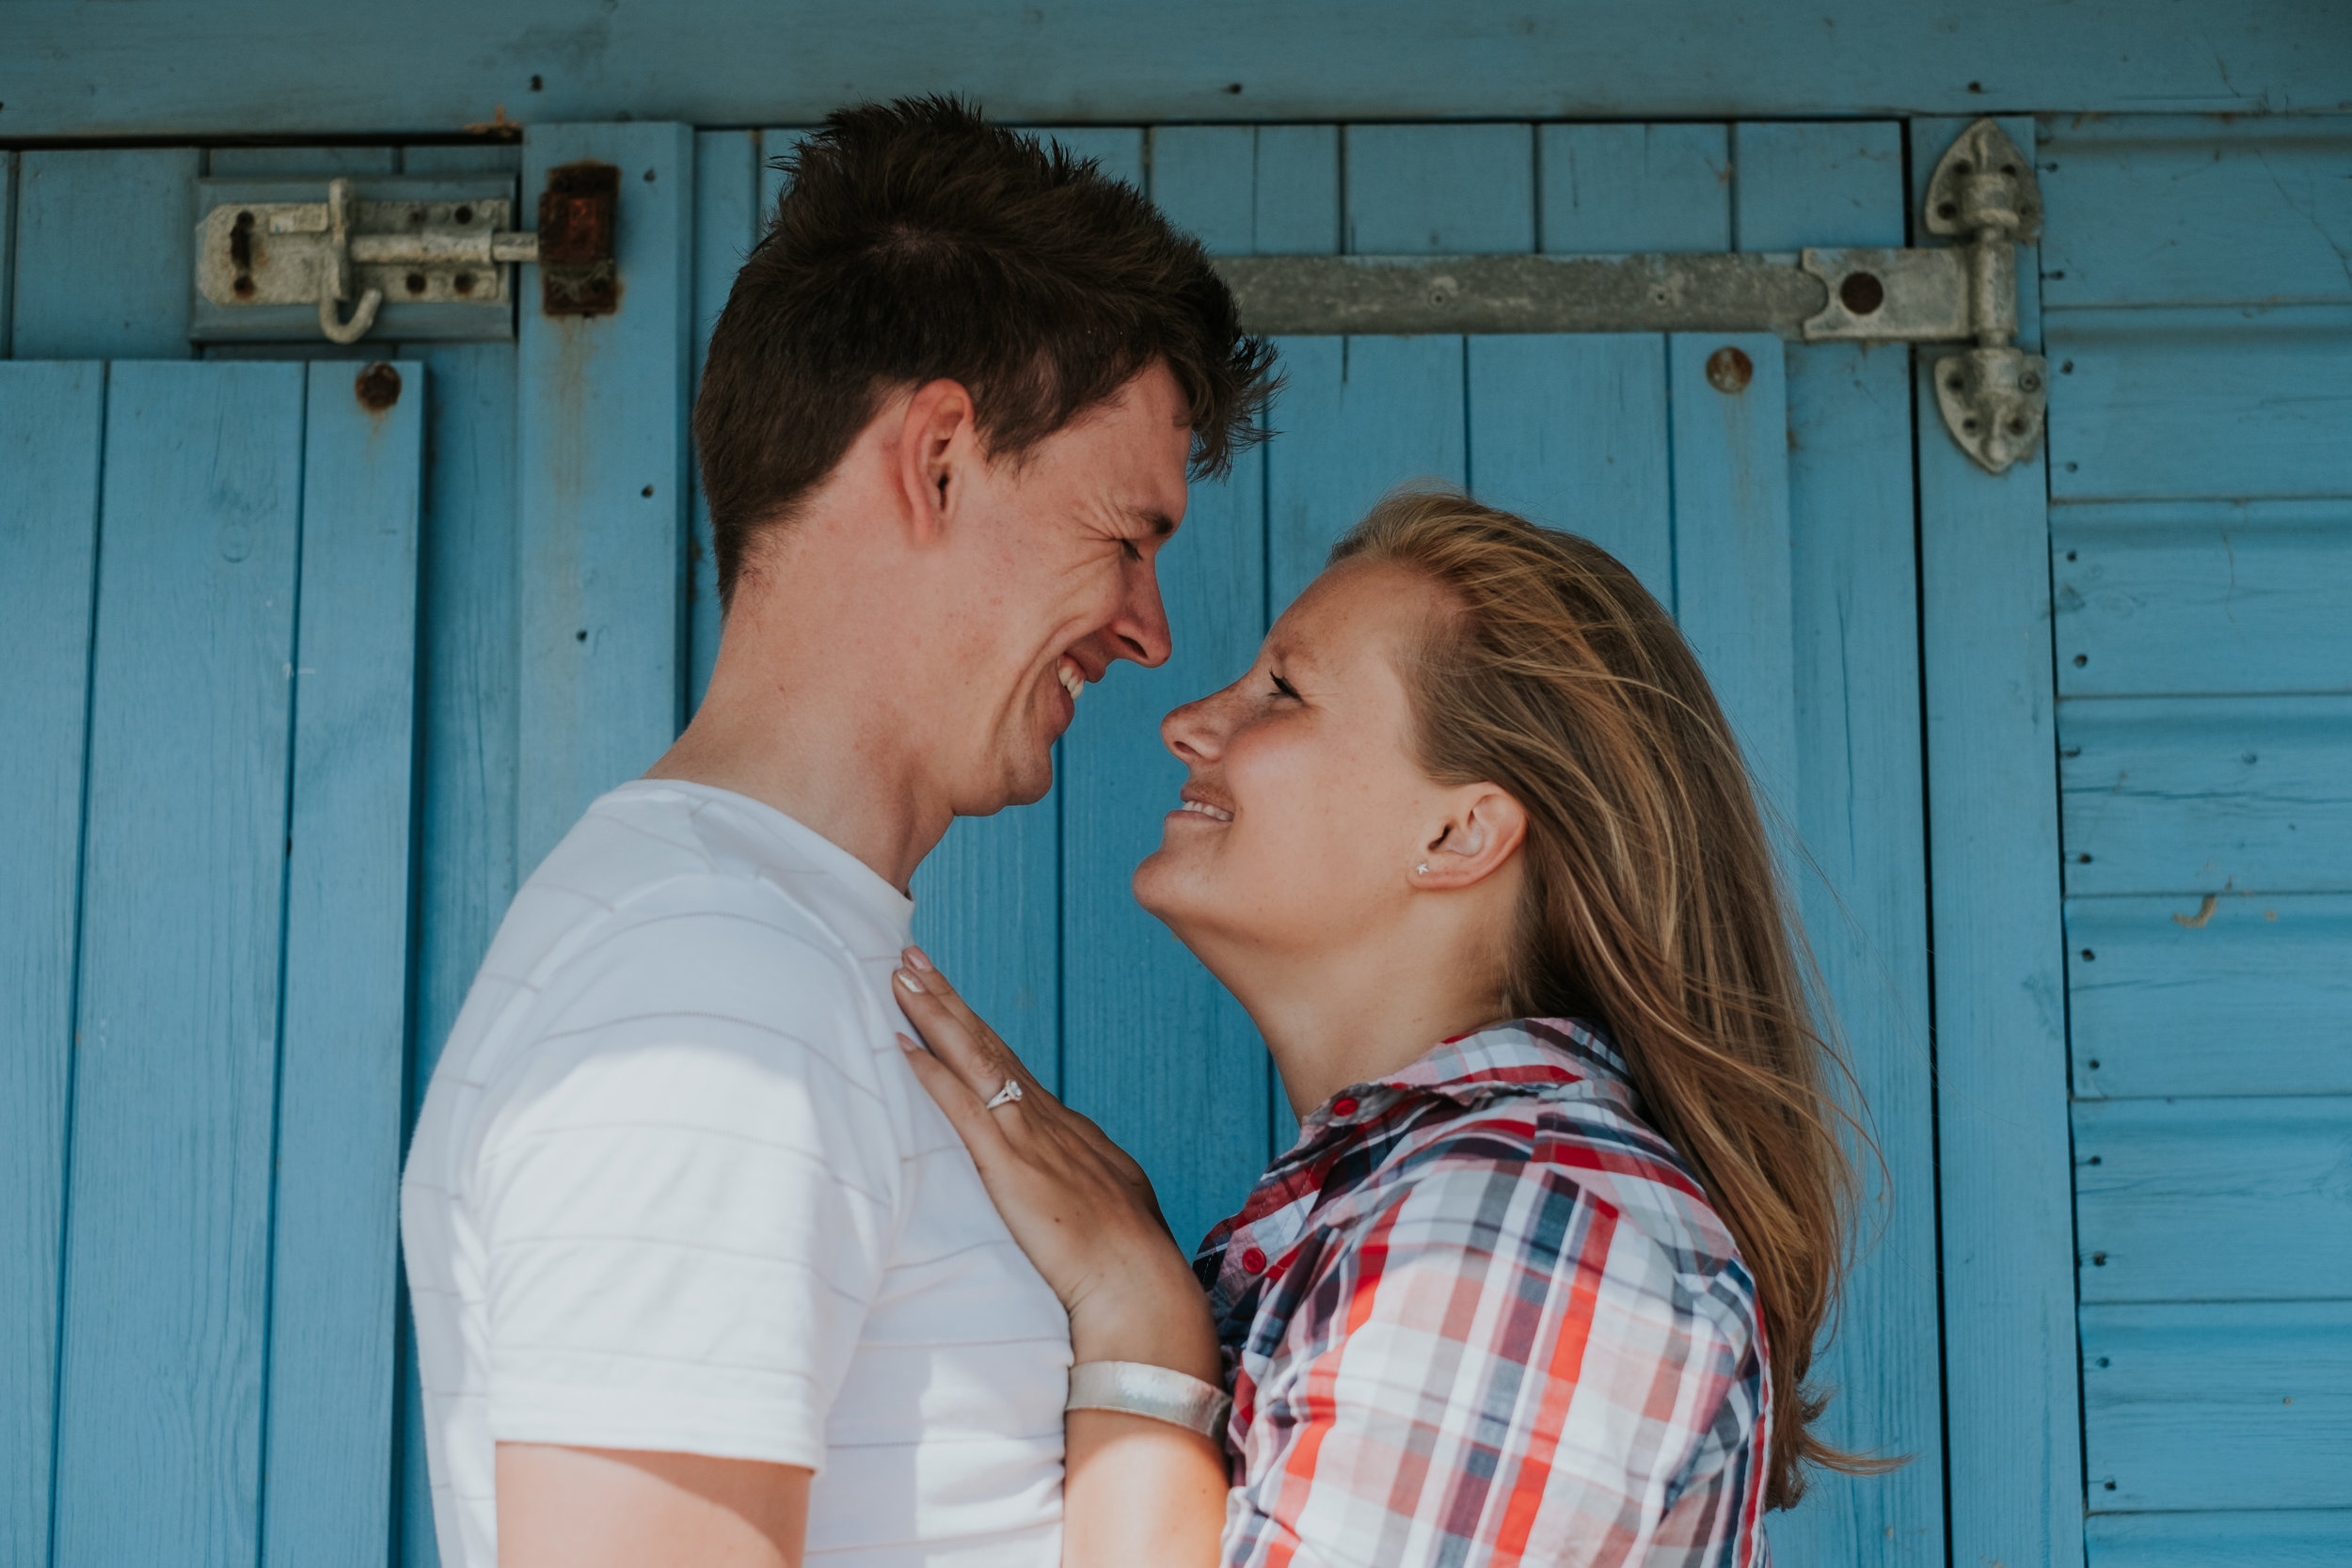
[1652,904]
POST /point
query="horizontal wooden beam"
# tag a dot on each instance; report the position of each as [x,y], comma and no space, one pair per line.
[275,68]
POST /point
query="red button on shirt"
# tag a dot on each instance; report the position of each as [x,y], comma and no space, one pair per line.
[1253,1261]
[1344,1107]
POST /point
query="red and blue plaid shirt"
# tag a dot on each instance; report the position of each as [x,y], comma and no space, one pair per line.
[1482,1314]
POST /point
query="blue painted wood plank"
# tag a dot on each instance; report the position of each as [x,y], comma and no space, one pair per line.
[2156,210]
[603,461]
[1837,183]
[1731,558]
[1860,819]
[2251,996]
[2291,1538]
[2225,404]
[168,1197]
[466,158]
[327,1455]
[1153,1049]
[325,162]
[1297,200]
[2218,1407]
[51,422]
[247,67]
[776,143]
[2012,1417]
[105,252]
[466,874]
[727,219]
[987,910]
[1203,178]
[1358,417]
[2202,596]
[2207,794]
[2228,1199]
[1606,189]
[7,250]
[1440,190]
[1571,432]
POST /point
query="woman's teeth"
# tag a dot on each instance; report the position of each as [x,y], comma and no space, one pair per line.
[1073,679]
[1210,811]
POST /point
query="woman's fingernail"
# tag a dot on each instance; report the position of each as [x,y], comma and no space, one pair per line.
[910,981]
[908,1046]
[917,959]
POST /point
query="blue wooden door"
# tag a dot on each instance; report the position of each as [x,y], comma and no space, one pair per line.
[210,615]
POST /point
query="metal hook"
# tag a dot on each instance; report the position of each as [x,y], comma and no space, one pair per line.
[335,286]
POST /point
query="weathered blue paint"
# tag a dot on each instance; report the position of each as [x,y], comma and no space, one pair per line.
[2298,1538]
[1859,819]
[343,1035]
[2214,1407]
[602,466]
[168,1188]
[2251,997]
[1440,190]
[105,253]
[728,215]
[52,421]
[1613,188]
[2170,597]
[2012,1421]
[191,67]
[7,250]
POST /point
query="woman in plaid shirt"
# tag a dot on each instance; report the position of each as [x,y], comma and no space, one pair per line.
[1541,1278]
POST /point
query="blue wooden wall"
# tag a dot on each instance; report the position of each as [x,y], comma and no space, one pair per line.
[2155,1230]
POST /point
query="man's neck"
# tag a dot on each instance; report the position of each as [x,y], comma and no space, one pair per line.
[806,713]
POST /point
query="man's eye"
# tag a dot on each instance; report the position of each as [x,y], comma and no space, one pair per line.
[1284,688]
[1129,545]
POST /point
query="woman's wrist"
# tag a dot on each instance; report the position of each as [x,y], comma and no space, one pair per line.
[1160,1318]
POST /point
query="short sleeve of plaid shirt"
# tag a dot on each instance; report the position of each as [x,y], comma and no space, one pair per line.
[1488,1362]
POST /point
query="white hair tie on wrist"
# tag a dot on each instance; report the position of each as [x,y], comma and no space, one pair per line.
[1161,1393]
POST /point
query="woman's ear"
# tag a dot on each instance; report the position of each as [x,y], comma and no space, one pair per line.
[1483,829]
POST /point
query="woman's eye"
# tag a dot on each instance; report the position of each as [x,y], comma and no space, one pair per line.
[1284,688]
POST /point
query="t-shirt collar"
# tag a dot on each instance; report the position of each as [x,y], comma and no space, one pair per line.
[864,886]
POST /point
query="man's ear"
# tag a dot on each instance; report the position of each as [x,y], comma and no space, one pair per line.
[937,445]
[1482,828]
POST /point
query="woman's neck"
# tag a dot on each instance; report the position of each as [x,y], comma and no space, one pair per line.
[1333,1019]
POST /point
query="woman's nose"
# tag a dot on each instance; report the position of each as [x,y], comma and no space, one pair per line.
[1194,731]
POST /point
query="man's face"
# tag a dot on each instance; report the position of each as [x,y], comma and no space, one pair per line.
[1056,557]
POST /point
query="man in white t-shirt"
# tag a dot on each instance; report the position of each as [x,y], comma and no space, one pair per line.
[701,1274]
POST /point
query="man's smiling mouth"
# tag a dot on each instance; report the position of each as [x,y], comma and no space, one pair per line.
[1073,679]
[1204,809]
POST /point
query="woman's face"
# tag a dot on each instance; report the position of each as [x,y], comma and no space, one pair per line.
[1305,812]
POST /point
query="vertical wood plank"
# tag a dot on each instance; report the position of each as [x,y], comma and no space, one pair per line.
[104,251]
[1296,204]
[1607,189]
[7,252]
[1203,177]
[1571,432]
[1441,190]
[776,144]
[1154,1050]
[1358,417]
[327,1455]
[52,419]
[467,779]
[2013,1417]
[1861,820]
[727,219]
[1116,150]
[159,1429]
[1731,546]
[603,465]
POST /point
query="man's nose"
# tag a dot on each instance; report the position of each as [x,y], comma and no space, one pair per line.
[1140,631]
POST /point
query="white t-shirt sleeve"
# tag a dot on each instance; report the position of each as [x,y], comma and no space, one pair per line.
[687,1202]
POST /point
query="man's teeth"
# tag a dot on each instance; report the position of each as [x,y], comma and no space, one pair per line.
[1072,680]
[1208,811]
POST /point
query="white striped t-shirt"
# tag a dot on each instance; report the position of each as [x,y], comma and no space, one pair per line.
[675,1188]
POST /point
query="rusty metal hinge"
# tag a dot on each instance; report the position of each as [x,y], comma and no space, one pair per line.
[1983,197]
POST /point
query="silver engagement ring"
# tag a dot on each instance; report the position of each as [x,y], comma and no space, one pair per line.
[1006,1096]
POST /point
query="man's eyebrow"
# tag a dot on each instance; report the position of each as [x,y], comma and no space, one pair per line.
[1160,523]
